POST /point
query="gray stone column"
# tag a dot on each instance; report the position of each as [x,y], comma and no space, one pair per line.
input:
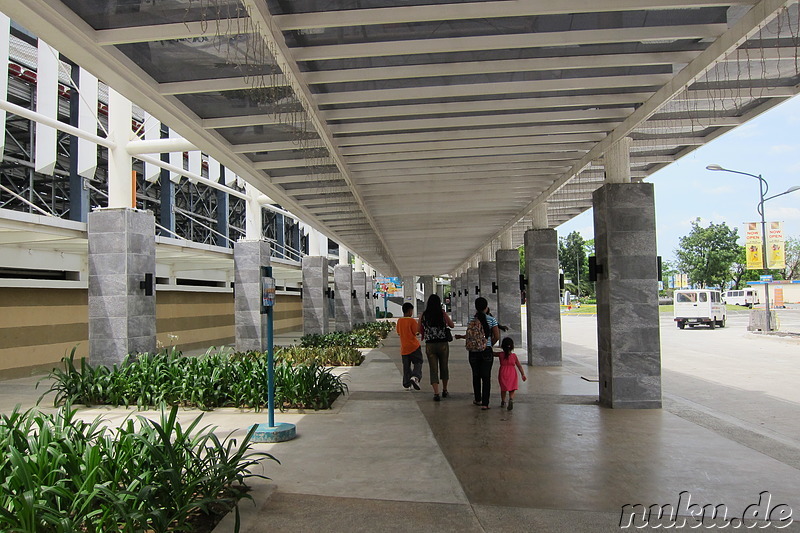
[122,249]
[473,282]
[427,288]
[410,291]
[371,302]
[359,301]
[315,295]
[463,312]
[543,307]
[487,272]
[508,294]
[629,348]
[455,299]
[251,325]
[343,297]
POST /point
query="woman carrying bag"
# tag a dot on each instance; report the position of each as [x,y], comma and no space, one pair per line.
[434,324]
[482,333]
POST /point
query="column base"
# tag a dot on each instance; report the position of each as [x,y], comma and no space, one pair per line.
[278,433]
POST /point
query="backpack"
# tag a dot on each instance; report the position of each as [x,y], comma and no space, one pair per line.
[475,339]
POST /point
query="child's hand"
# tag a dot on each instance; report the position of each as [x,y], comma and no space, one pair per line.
[524,377]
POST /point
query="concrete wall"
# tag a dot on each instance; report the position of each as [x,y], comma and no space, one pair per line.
[39,326]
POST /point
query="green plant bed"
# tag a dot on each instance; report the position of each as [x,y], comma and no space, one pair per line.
[62,474]
[209,381]
[366,335]
[327,356]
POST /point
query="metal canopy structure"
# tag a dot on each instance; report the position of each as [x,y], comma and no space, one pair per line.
[418,132]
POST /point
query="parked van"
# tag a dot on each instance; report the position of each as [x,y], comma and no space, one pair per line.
[745,297]
[699,306]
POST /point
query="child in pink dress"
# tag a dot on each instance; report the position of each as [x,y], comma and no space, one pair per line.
[509,364]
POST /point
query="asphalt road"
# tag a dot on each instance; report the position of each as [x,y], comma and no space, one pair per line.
[747,381]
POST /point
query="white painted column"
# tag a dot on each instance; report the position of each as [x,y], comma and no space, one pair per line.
[359,265]
[252,216]
[539,218]
[617,161]
[505,240]
[120,181]
[343,256]
[313,241]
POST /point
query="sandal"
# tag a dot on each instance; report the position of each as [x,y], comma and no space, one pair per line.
[476,403]
[484,407]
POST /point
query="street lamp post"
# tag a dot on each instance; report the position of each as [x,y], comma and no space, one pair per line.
[763,189]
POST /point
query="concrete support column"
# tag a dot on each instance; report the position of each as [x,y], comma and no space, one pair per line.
[427,287]
[465,297]
[122,318]
[251,325]
[543,306]
[315,295]
[629,348]
[487,272]
[359,298]
[343,297]
[455,298]
[121,185]
[617,161]
[473,287]
[369,287]
[508,294]
[253,217]
[344,257]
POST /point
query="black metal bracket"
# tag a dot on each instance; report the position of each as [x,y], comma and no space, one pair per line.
[148,284]
[477,289]
[594,268]
[523,282]
[494,287]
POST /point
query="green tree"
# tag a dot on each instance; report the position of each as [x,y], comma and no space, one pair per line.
[707,254]
[792,247]
[573,252]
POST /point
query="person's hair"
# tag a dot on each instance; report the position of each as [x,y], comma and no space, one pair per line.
[433,315]
[408,306]
[481,304]
[507,345]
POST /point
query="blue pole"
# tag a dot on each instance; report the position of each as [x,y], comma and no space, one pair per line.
[270,366]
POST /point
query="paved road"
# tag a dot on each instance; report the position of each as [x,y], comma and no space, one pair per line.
[751,382]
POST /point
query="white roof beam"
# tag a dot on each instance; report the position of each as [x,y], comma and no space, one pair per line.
[472,143]
[282,163]
[478,120]
[535,167]
[591,127]
[469,68]
[485,105]
[319,189]
[507,42]
[477,10]
[205,86]
[560,156]
[164,32]
[471,152]
[509,175]
[276,146]
[512,87]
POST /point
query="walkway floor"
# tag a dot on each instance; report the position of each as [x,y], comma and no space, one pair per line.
[385,459]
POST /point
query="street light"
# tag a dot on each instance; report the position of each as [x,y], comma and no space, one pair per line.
[763,188]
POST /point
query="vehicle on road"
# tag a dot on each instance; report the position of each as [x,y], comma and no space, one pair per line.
[699,306]
[744,297]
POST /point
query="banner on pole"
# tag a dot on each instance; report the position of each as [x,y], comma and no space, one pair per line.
[753,246]
[776,258]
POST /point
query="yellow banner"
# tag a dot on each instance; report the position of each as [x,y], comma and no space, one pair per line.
[776,258]
[753,246]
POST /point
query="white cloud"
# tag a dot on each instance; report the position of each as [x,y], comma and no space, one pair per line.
[746,131]
[783,148]
[782,213]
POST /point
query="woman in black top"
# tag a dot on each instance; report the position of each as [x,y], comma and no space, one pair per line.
[433,324]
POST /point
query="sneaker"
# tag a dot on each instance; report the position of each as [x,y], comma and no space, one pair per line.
[502,404]
[436,398]
[415,382]
[445,394]
[510,404]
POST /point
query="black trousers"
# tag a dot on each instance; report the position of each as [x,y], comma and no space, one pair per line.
[481,364]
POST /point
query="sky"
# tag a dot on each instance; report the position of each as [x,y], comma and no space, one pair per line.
[768,145]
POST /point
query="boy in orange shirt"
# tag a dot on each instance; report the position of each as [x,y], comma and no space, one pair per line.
[410,349]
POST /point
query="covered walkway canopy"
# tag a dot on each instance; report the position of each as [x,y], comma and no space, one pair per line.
[418,133]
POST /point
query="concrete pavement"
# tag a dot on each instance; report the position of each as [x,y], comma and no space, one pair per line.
[385,459]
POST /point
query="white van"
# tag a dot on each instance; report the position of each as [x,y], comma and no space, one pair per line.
[699,306]
[745,297]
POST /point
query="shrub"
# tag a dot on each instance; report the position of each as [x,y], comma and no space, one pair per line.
[63,474]
[212,380]
[367,335]
[328,356]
